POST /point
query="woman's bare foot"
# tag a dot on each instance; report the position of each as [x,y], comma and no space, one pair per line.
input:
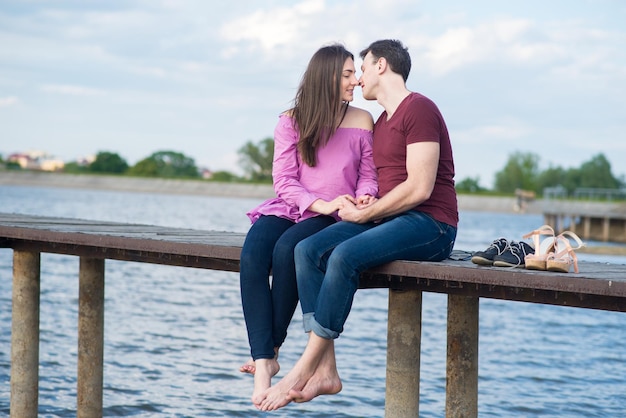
[248,367]
[265,370]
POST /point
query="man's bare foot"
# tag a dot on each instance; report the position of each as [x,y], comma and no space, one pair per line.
[248,367]
[265,370]
[275,396]
[316,386]
[325,380]
[318,350]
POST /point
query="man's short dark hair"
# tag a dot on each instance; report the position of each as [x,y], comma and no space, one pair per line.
[396,54]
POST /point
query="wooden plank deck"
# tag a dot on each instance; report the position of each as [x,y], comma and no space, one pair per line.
[597,286]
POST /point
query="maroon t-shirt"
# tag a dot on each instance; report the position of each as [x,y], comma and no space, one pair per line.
[417,119]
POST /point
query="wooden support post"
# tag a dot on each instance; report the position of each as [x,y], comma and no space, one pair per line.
[606,229]
[404,334]
[462,361]
[25,335]
[587,227]
[90,337]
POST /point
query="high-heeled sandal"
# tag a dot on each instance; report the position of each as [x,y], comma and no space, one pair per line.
[564,255]
[543,247]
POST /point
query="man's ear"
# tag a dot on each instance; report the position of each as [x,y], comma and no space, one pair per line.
[381,65]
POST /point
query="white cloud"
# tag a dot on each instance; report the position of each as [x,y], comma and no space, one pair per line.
[209,76]
[503,41]
[72,90]
[269,28]
[8,101]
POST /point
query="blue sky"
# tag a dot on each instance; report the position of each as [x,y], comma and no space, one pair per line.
[203,78]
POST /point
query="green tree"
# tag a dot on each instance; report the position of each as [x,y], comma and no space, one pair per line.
[597,173]
[74,168]
[13,165]
[108,162]
[469,185]
[256,160]
[224,176]
[520,172]
[168,164]
[552,177]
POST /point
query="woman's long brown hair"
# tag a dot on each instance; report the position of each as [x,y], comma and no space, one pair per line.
[317,106]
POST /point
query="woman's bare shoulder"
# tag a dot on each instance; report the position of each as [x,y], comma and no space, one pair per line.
[358,118]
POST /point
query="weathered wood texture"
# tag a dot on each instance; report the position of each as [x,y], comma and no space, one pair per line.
[598,285]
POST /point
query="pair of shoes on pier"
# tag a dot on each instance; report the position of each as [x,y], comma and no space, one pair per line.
[503,253]
[549,252]
[553,252]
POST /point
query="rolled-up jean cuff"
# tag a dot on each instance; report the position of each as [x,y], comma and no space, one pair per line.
[307,318]
[322,332]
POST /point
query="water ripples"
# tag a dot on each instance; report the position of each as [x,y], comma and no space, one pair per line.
[175,337]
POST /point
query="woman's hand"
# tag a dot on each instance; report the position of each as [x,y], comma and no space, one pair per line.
[364,201]
[327,208]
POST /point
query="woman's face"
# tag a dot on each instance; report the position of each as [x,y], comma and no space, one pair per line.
[348,80]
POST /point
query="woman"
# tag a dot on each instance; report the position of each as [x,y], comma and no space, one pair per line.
[322,156]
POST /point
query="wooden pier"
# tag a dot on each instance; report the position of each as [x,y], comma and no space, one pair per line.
[604,228]
[598,286]
[604,222]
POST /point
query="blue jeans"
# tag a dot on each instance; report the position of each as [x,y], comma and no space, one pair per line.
[329,264]
[268,248]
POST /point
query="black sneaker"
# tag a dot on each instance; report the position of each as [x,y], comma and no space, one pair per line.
[485,258]
[513,255]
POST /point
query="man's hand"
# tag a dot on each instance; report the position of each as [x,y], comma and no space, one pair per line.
[327,208]
[351,213]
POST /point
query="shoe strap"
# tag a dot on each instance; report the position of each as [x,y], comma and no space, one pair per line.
[572,235]
[537,233]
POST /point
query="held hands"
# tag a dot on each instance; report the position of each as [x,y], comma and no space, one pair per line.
[364,201]
[351,211]
[327,208]
[345,204]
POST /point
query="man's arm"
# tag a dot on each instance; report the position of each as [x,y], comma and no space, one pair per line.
[422,161]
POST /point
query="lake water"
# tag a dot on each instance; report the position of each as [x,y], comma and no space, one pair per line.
[175,337]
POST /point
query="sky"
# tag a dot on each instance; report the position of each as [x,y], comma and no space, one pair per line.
[203,78]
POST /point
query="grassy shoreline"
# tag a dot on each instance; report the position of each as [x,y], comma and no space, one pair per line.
[204,187]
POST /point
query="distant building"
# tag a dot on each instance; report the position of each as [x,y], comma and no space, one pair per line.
[206,173]
[85,161]
[36,160]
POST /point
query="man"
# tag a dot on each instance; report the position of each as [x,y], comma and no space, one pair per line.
[415,218]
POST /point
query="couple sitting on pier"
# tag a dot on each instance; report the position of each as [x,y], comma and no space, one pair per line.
[351,195]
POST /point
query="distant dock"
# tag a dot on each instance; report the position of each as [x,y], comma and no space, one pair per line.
[604,222]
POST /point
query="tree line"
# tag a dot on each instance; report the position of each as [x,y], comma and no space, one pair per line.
[522,170]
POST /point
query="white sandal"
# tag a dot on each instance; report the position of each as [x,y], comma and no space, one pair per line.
[543,247]
[564,255]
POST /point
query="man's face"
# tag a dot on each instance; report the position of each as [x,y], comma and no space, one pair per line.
[369,77]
